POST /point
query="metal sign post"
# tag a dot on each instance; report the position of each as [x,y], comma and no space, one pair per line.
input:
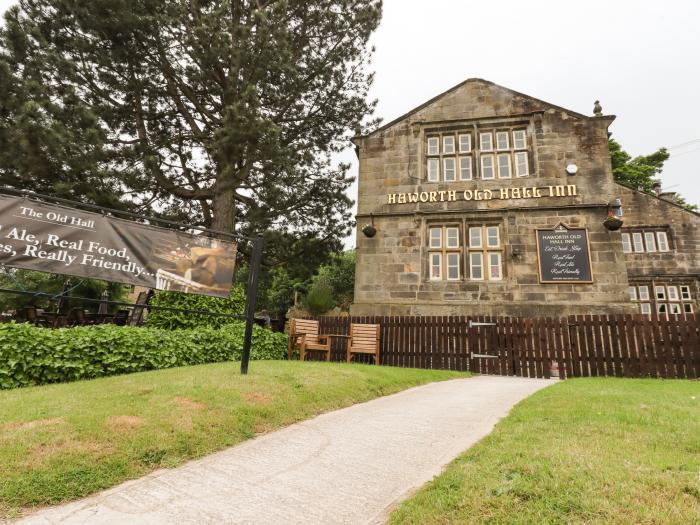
[255,260]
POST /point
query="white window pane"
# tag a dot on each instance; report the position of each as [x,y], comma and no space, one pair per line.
[643,293]
[465,168]
[650,242]
[433,146]
[465,143]
[492,240]
[645,308]
[626,243]
[448,144]
[638,242]
[660,292]
[688,308]
[486,141]
[504,166]
[519,139]
[632,291]
[663,241]
[436,237]
[476,264]
[502,140]
[674,308]
[521,167]
[433,170]
[435,266]
[672,293]
[685,293]
[495,266]
[453,266]
[475,237]
[452,238]
[449,173]
[487,167]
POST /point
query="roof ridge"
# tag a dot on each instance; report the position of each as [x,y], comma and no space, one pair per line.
[457,86]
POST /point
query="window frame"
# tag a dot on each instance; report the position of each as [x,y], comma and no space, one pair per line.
[650,247]
[643,296]
[685,293]
[483,134]
[453,149]
[659,235]
[645,306]
[499,265]
[498,144]
[632,293]
[469,142]
[433,256]
[524,154]
[628,244]
[675,297]
[524,135]
[480,255]
[436,162]
[637,236]
[662,296]
[445,160]
[457,255]
[506,156]
[435,138]
[491,157]
[468,158]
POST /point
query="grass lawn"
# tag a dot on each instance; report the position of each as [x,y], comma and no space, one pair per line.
[61,442]
[581,451]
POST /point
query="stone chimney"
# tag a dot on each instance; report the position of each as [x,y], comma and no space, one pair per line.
[670,196]
[657,188]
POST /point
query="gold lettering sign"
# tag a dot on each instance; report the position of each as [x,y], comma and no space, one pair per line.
[533,192]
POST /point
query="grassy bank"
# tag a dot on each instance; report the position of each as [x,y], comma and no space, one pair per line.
[582,451]
[60,442]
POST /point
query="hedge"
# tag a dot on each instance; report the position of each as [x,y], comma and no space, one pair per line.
[31,355]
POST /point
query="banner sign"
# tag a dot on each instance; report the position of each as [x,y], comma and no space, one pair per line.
[56,239]
[563,255]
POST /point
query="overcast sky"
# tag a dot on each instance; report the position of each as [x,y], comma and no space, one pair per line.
[641,59]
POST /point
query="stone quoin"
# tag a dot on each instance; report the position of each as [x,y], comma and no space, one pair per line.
[490,202]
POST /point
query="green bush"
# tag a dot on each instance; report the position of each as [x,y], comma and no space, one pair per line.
[30,355]
[320,298]
[235,304]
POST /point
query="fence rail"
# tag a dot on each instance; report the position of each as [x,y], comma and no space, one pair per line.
[576,346]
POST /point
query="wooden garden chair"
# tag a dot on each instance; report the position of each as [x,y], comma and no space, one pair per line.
[364,339]
[303,336]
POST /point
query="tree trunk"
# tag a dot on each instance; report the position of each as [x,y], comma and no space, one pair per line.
[224,212]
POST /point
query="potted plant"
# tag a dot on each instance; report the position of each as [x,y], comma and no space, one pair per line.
[612,222]
[369,230]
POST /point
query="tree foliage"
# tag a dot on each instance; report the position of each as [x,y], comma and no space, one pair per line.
[642,172]
[223,113]
[55,284]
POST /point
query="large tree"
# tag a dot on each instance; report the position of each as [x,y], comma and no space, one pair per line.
[224,113]
[642,172]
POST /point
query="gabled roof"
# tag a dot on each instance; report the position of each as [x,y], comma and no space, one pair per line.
[697,214]
[474,80]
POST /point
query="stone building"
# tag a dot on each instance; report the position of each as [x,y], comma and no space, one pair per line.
[487,201]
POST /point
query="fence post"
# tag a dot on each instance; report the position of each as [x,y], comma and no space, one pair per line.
[252,292]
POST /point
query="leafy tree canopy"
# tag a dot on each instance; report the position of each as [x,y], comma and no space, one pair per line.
[642,172]
[222,113]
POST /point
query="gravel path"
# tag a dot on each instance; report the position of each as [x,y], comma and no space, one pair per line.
[351,466]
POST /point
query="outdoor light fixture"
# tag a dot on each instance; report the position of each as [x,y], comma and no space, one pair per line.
[516,254]
[572,169]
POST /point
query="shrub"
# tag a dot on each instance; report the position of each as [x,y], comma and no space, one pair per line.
[320,298]
[235,304]
[30,355]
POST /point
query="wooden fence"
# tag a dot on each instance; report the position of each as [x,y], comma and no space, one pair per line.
[591,345]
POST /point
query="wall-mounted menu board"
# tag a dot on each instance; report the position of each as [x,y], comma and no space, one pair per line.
[563,255]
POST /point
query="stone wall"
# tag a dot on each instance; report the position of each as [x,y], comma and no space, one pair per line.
[392,269]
